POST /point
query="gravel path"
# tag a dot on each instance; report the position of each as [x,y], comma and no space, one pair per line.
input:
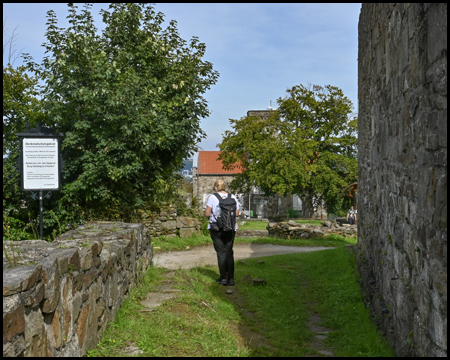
[205,255]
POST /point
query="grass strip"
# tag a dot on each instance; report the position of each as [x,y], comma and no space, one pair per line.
[333,280]
[161,244]
[268,320]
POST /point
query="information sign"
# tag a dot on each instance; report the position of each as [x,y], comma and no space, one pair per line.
[40,163]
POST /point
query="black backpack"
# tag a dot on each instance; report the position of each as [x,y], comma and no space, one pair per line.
[227,220]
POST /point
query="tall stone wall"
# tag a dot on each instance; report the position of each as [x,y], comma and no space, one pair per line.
[402,176]
[59,297]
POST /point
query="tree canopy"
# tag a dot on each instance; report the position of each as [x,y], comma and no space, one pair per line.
[129,102]
[305,147]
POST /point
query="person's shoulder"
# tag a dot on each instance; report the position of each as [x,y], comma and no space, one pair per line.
[212,197]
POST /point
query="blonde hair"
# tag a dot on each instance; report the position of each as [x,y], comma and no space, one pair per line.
[220,184]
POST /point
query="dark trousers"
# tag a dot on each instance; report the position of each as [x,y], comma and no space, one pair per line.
[223,244]
[351,221]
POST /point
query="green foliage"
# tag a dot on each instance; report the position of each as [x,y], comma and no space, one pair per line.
[129,102]
[204,221]
[277,217]
[291,213]
[19,107]
[306,147]
[310,222]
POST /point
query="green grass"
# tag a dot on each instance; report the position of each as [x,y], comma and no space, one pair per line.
[161,244]
[328,241]
[253,225]
[177,243]
[330,281]
[311,222]
[340,304]
[269,320]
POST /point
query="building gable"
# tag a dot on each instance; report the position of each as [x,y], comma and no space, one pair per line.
[208,164]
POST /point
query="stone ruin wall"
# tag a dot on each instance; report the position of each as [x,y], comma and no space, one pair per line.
[293,230]
[166,222]
[402,180]
[61,296]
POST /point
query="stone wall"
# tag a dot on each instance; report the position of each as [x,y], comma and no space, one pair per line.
[204,184]
[402,180]
[293,230]
[167,222]
[61,296]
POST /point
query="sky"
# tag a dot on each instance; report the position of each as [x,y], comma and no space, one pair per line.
[259,50]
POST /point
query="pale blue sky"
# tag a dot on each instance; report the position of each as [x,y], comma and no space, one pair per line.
[260,50]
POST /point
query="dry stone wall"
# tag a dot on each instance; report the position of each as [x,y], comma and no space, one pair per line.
[167,223]
[293,230]
[402,180]
[61,295]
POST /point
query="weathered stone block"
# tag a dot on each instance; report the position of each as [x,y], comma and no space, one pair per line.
[77,281]
[76,306]
[89,277]
[34,295]
[169,225]
[35,336]
[82,324]
[13,323]
[186,232]
[186,222]
[85,258]
[51,279]
[20,279]
[101,305]
[56,329]
[14,349]
[64,257]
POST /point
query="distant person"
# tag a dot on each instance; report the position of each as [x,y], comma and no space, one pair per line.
[222,237]
[351,216]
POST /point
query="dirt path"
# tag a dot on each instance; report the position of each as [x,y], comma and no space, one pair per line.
[205,255]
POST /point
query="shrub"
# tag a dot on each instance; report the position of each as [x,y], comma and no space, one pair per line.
[277,218]
[291,214]
[204,221]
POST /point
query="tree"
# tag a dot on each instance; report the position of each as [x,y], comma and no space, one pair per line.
[8,45]
[306,147]
[129,102]
[20,106]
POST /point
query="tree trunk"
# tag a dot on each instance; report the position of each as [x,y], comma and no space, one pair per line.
[307,204]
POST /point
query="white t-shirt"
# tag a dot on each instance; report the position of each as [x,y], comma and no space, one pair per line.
[213,203]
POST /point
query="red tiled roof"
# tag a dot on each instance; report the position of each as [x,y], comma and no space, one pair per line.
[209,164]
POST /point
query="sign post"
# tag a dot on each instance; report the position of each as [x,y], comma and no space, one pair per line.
[40,164]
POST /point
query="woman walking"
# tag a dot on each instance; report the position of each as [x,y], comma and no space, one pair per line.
[222,240]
